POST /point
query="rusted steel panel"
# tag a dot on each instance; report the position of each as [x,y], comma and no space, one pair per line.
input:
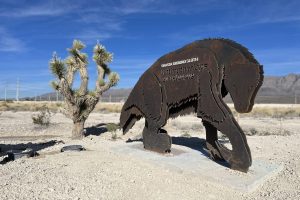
[195,78]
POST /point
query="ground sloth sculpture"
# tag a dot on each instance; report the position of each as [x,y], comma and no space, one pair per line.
[195,78]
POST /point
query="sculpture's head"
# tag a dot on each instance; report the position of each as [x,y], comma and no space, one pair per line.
[243,81]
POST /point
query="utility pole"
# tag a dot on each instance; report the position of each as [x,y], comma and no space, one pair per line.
[56,95]
[296,102]
[5,93]
[17,90]
[35,97]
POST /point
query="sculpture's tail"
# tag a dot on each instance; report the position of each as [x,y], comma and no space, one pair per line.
[131,112]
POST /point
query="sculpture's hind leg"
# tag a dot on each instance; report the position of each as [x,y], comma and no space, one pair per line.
[155,138]
[211,138]
[156,114]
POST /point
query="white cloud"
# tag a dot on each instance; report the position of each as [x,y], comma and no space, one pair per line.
[9,43]
[270,12]
[91,36]
[49,8]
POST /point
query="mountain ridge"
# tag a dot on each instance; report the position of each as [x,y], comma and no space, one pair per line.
[275,89]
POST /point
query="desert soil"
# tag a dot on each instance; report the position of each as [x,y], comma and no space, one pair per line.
[100,173]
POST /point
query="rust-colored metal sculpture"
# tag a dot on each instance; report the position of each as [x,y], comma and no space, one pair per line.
[195,78]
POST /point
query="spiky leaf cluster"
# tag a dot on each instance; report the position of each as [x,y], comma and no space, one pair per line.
[101,56]
[57,66]
[101,82]
[113,78]
[54,85]
[78,61]
[77,44]
[76,54]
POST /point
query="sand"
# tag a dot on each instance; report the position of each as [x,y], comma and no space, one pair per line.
[102,173]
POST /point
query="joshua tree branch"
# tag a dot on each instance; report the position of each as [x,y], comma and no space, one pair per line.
[100,80]
[84,81]
[66,90]
[70,75]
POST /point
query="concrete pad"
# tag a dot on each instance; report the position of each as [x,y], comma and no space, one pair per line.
[195,162]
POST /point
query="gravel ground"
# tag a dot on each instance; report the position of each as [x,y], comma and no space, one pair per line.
[100,173]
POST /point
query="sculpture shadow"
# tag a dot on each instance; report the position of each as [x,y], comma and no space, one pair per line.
[195,143]
[96,130]
[198,144]
[22,146]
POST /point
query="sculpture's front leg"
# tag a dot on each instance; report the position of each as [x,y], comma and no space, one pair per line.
[213,110]
[211,138]
[239,157]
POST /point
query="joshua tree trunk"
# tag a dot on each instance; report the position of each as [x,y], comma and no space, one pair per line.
[80,103]
[77,132]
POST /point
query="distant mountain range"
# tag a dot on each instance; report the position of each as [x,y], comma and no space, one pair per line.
[275,89]
[283,89]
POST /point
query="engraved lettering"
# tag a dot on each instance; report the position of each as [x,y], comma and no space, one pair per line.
[180,62]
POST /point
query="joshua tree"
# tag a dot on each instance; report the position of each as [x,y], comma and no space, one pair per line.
[81,102]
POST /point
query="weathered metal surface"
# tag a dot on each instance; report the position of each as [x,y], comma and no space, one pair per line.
[195,78]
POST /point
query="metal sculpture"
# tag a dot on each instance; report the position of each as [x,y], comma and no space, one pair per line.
[195,78]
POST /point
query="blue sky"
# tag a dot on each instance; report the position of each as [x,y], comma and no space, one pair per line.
[138,32]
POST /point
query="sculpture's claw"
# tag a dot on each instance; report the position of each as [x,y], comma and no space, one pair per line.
[241,163]
[225,152]
[214,153]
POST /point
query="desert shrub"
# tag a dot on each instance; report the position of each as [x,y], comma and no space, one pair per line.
[252,131]
[58,105]
[185,126]
[109,107]
[271,111]
[186,134]
[43,117]
[9,101]
[3,106]
[114,135]
[112,127]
